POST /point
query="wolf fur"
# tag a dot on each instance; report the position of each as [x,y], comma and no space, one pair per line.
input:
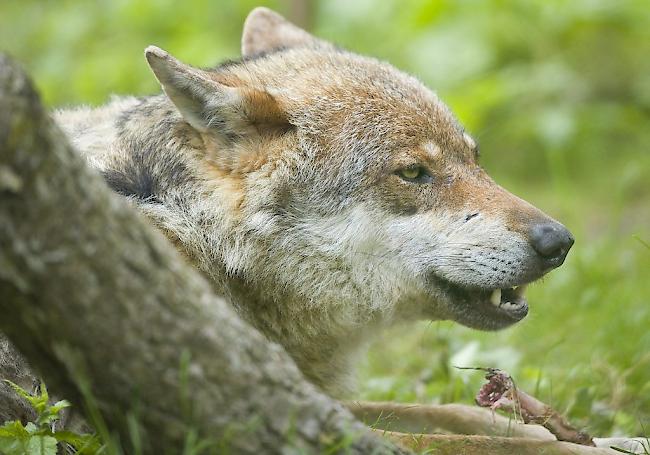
[325,194]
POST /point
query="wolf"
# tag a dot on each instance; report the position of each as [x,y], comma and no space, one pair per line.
[326,195]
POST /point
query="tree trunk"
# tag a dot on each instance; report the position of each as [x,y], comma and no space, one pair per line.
[111,316]
[14,369]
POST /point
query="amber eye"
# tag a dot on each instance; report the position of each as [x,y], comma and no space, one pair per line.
[415,174]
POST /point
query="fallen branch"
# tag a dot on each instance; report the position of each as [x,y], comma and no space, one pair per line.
[412,425]
[490,445]
[445,418]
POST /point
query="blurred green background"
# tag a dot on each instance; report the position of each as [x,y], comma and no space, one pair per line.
[557,93]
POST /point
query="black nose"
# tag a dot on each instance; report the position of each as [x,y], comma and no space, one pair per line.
[552,241]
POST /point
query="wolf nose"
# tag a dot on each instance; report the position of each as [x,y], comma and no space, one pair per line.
[552,241]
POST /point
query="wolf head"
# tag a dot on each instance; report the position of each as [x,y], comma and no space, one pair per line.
[339,193]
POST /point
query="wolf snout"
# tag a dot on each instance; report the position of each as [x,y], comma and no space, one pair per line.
[552,242]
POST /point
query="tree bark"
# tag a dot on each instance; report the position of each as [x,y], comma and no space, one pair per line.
[112,318]
[13,368]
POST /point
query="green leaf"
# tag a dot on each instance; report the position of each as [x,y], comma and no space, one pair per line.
[40,401]
[19,390]
[62,404]
[12,446]
[41,445]
[13,429]
[83,443]
[51,413]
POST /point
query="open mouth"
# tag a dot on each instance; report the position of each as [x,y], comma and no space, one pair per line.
[484,308]
[510,301]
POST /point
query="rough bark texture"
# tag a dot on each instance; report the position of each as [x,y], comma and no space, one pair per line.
[14,369]
[92,294]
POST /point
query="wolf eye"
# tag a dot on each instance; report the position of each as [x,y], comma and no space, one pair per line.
[415,174]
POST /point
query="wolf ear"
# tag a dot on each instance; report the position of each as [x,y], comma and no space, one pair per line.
[266,30]
[227,108]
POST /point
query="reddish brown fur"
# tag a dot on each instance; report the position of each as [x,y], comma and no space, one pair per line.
[282,178]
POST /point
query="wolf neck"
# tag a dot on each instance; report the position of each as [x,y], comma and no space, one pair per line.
[147,153]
